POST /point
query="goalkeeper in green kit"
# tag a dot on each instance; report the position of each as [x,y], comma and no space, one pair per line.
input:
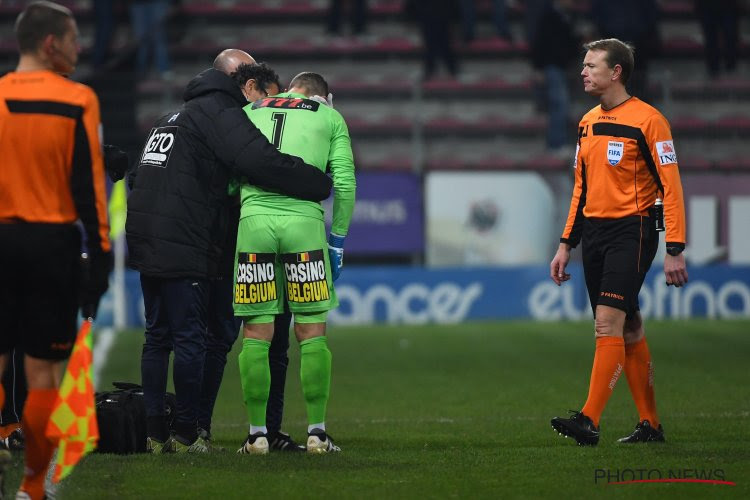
[282,249]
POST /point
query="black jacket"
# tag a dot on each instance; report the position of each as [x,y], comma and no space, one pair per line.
[179,213]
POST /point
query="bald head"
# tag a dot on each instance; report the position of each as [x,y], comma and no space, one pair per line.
[228,60]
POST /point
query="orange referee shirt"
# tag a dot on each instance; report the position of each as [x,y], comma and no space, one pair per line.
[624,156]
[51,166]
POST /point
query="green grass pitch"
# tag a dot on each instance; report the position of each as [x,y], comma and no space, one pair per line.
[462,411]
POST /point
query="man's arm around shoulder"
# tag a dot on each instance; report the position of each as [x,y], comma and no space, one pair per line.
[247,152]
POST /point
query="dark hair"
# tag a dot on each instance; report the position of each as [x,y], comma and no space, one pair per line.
[38,20]
[618,52]
[260,72]
[313,82]
[277,81]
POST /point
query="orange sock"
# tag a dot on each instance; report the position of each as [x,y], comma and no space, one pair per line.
[640,374]
[609,359]
[39,449]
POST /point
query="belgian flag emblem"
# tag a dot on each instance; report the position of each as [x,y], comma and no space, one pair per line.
[251,257]
[303,257]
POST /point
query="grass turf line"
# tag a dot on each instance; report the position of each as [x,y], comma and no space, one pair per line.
[463,410]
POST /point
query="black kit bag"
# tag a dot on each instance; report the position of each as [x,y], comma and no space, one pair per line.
[121,417]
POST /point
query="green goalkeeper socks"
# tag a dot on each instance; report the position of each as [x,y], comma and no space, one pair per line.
[315,374]
[255,375]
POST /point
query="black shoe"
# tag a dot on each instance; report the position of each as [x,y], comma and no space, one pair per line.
[320,442]
[255,444]
[579,427]
[281,441]
[15,440]
[644,433]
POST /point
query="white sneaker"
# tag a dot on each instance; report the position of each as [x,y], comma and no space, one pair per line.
[319,442]
[256,444]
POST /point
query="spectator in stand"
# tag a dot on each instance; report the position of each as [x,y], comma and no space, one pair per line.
[532,10]
[357,16]
[149,18]
[104,25]
[636,22]
[719,20]
[434,20]
[499,19]
[553,48]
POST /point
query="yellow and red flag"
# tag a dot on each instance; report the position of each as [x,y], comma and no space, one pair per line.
[73,419]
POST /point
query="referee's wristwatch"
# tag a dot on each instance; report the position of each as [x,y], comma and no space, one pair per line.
[675,250]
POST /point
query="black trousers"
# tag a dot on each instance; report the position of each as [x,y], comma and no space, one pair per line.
[176,311]
[223,330]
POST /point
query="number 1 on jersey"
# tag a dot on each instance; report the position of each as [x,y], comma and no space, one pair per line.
[278,128]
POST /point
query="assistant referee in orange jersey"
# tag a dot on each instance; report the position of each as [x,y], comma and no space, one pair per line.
[51,181]
[625,175]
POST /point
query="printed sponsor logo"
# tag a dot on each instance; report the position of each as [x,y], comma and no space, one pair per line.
[612,295]
[728,300]
[665,150]
[614,152]
[255,281]
[575,157]
[414,303]
[615,376]
[159,146]
[286,103]
[306,277]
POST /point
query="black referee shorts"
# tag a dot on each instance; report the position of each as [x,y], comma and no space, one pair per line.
[39,277]
[617,254]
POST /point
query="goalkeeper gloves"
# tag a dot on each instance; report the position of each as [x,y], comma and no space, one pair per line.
[336,254]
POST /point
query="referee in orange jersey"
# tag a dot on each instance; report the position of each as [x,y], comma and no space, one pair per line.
[625,175]
[52,183]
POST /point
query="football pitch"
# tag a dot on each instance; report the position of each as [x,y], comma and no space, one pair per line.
[462,411]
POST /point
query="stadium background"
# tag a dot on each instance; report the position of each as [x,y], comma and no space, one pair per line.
[459,204]
[457,195]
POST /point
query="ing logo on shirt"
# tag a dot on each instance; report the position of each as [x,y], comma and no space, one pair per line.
[665,150]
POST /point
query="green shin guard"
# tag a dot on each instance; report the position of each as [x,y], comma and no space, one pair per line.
[255,375]
[315,374]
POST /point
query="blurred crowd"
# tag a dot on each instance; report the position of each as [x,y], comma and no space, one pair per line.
[551,32]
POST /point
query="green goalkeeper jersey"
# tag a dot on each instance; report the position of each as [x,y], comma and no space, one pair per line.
[316,133]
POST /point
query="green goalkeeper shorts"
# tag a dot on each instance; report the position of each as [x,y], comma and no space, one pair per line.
[282,254]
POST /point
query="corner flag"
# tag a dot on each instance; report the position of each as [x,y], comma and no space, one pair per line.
[73,418]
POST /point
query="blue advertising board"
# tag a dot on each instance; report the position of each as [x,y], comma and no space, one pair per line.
[388,215]
[409,295]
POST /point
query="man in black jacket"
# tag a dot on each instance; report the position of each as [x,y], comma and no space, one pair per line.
[178,217]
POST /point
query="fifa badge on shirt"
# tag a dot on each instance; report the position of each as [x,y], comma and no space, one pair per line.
[614,152]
